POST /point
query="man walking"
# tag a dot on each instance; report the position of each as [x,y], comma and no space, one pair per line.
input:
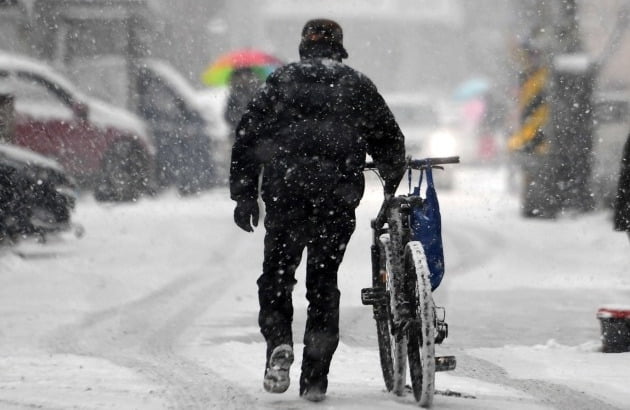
[307,131]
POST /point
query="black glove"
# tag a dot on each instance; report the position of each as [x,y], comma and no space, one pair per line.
[246,214]
[392,177]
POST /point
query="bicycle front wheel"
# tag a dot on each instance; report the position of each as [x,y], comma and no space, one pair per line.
[421,331]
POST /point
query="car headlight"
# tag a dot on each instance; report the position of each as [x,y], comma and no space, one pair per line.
[442,143]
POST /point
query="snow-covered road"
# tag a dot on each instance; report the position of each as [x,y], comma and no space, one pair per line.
[155,307]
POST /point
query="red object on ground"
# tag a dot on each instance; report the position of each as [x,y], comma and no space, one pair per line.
[614,312]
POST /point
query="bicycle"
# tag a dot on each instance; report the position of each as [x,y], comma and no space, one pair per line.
[407,322]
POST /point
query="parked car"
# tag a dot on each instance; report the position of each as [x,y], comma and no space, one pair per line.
[426,129]
[168,103]
[105,148]
[213,101]
[36,194]
[185,136]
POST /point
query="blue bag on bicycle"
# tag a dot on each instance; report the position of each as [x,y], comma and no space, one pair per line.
[426,227]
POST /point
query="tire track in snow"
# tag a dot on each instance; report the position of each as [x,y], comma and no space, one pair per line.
[466,246]
[557,396]
[143,334]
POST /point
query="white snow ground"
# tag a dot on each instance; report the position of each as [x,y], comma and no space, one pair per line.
[156,307]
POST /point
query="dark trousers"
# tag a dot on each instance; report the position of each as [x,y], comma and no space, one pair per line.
[324,231]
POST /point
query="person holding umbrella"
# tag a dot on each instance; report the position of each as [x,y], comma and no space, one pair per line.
[243,70]
[244,83]
[307,131]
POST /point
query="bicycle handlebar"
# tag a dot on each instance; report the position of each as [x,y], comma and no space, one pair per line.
[425,162]
[409,164]
[420,163]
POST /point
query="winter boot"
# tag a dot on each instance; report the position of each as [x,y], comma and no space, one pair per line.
[314,393]
[313,389]
[277,373]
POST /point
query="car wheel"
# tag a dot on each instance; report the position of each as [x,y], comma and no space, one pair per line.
[125,173]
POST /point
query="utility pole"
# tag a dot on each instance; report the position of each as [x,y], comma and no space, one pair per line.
[572,114]
[554,141]
[530,143]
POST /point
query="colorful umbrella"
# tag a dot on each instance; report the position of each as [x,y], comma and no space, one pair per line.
[221,69]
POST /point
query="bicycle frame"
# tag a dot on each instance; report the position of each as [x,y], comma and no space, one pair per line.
[402,204]
[399,296]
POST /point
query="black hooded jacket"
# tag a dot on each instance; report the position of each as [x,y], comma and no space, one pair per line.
[309,128]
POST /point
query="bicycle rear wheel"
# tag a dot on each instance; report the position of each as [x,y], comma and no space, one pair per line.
[382,312]
[392,344]
[398,299]
[421,331]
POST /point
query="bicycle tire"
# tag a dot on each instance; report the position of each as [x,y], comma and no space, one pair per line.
[394,250]
[421,332]
[382,316]
[385,349]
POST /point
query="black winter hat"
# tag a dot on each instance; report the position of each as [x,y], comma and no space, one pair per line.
[323,34]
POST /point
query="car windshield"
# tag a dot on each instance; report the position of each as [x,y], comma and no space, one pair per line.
[418,114]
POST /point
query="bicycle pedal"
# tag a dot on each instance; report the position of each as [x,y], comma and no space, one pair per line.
[445,363]
[374,296]
[441,332]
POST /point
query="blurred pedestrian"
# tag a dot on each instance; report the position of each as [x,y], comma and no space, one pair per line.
[622,200]
[307,131]
[244,83]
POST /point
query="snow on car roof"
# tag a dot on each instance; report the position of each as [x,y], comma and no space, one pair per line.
[21,156]
[102,113]
[20,62]
[174,78]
